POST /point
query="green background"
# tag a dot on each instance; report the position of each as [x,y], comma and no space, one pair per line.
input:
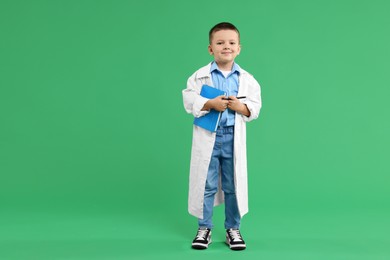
[95,143]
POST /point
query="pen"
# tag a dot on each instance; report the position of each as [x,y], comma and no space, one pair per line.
[236,97]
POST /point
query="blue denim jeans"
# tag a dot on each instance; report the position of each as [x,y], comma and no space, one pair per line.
[221,158]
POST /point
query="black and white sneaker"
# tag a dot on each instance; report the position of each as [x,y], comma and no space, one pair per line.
[234,239]
[202,239]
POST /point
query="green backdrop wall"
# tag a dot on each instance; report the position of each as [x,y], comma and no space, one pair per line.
[95,142]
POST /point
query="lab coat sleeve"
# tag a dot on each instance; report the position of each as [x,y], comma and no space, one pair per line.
[253,100]
[193,101]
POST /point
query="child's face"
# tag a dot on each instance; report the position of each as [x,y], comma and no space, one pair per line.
[225,46]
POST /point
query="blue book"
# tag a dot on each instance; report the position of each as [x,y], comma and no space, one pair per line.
[210,120]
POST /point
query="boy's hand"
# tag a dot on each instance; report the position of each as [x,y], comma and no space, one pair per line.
[217,103]
[236,105]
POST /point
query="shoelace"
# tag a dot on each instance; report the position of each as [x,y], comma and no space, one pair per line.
[202,233]
[235,235]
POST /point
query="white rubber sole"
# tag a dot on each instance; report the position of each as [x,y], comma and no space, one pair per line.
[200,245]
[235,247]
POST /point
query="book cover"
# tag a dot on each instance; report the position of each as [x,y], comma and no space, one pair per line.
[210,120]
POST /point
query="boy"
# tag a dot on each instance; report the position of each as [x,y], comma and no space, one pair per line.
[220,157]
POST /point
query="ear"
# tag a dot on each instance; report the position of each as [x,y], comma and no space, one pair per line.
[239,49]
[210,50]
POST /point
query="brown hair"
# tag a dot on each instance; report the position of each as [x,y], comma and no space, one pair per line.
[223,26]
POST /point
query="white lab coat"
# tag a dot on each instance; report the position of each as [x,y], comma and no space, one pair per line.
[203,140]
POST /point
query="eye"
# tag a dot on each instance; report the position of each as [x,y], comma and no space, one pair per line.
[219,43]
[232,43]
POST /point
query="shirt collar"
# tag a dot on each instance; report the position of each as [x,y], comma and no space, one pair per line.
[235,67]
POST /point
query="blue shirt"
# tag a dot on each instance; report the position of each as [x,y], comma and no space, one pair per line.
[229,85]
